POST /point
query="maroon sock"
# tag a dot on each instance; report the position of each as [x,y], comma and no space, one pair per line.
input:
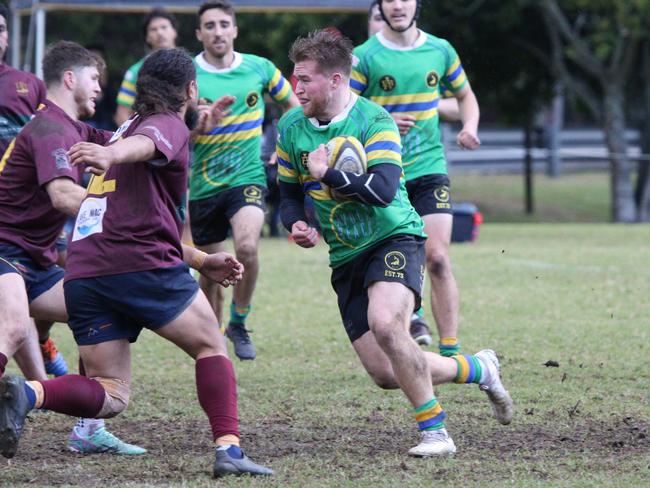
[3,364]
[217,390]
[74,395]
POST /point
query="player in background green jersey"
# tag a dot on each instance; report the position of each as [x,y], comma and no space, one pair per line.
[375,236]
[448,107]
[159,28]
[402,69]
[228,181]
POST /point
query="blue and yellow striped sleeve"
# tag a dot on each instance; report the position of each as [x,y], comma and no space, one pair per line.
[455,77]
[358,82]
[126,94]
[445,92]
[358,77]
[384,147]
[286,170]
[278,86]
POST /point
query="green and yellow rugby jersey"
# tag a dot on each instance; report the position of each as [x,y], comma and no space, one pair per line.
[230,155]
[410,81]
[348,227]
[126,95]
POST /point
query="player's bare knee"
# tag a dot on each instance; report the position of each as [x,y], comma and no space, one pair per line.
[246,251]
[116,396]
[385,332]
[438,264]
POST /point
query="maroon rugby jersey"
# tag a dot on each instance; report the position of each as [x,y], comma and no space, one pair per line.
[21,93]
[131,219]
[39,155]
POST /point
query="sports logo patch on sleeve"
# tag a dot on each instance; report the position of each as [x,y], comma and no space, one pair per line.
[61,159]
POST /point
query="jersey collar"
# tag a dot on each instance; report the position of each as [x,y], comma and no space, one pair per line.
[422,38]
[205,66]
[341,116]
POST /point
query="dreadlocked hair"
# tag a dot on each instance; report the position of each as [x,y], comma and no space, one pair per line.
[162,82]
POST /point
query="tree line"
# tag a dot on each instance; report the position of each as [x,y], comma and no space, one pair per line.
[515,51]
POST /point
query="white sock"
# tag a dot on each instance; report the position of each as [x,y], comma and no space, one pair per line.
[87,427]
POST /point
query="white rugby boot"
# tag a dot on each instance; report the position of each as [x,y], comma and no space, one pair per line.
[434,443]
[502,404]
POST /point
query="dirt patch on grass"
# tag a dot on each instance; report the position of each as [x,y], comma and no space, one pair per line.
[180,449]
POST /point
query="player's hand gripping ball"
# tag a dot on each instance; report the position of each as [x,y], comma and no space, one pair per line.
[345,153]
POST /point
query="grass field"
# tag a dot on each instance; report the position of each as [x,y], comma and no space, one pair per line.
[573,197]
[575,294]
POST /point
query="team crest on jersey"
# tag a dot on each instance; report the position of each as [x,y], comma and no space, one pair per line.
[387,83]
[61,159]
[304,157]
[432,79]
[22,88]
[382,117]
[395,260]
[251,99]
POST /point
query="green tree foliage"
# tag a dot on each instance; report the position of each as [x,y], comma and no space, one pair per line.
[120,34]
[499,42]
[595,49]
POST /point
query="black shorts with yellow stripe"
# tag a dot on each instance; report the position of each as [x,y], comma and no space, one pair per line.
[399,259]
[210,217]
[430,194]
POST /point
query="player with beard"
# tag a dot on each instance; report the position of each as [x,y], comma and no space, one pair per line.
[374,234]
[21,94]
[228,181]
[406,70]
[127,269]
[38,190]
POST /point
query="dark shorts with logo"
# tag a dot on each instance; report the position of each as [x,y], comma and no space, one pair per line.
[38,279]
[108,308]
[210,217]
[430,194]
[397,259]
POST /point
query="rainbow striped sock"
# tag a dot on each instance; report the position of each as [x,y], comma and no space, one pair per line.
[430,416]
[238,314]
[469,369]
[449,346]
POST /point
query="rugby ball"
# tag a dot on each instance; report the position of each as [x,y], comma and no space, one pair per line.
[346,153]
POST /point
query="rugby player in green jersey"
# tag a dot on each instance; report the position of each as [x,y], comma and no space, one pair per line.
[375,237]
[228,180]
[403,69]
[448,107]
[159,28]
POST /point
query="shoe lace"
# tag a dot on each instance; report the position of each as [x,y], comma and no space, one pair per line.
[49,349]
[241,333]
[438,435]
[106,437]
